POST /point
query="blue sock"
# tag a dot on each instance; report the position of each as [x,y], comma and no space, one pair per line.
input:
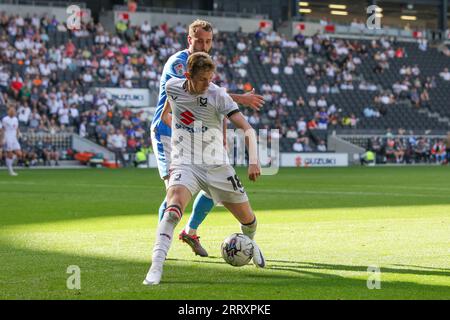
[200,209]
[162,207]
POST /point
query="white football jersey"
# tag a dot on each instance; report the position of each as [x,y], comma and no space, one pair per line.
[197,123]
[10,126]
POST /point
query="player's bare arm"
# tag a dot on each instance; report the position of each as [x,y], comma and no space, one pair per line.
[254,169]
[250,99]
[166,116]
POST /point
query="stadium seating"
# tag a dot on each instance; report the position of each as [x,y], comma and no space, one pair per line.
[400,114]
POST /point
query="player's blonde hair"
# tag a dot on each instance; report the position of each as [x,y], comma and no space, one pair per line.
[200,62]
[203,24]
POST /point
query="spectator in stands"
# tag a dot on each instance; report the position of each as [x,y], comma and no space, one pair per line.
[276,87]
[324,88]
[447,147]
[301,124]
[423,44]
[353,120]
[272,113]
[288,70]
[312,124]
[254,119]
[424,99]
[300,102]
[415,70]
[311,89]
[322,147]
[265,87]
[371,113]
[438,151]
[275,70]
[400,53]
[422,150]
[322,122]
[117,143]
[445,75]
[83,128]
[414,96]
[50,152]
[386,98]
[322,102]
[298,146]
[241,46]
[331,109]
[335,87]
[292,133]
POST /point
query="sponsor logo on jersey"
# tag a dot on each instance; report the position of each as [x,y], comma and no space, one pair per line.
[191,130]
[187,117]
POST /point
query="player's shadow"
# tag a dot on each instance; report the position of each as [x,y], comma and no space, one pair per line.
[303,267]
[34,274]
[69,195]
[405,269]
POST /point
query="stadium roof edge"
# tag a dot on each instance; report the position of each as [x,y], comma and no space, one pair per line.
[194,12]
[43,3]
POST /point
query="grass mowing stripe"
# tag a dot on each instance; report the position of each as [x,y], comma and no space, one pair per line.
[318,229]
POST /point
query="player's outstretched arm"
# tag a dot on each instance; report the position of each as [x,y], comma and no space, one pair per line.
[250,99]
[254,169]
[166,116]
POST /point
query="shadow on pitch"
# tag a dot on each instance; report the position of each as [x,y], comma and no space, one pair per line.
[72,195]
[303,267]
[33,274]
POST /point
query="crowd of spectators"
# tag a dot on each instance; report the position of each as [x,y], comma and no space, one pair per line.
[51,81]
[51,84]
[409,149]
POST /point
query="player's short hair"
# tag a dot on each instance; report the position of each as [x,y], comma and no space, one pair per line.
[200,62]
[203,24]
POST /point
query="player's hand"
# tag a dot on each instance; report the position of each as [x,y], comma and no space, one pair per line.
[254,171]
[252,100]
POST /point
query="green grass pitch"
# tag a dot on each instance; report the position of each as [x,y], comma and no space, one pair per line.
[320,230]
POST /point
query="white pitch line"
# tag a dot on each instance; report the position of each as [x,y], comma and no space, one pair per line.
[353,193]
[299,192]
[400,187]
[80,185]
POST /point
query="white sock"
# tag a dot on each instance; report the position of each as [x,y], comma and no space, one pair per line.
[9,164]
[249,229]
[164,235]
[190,231]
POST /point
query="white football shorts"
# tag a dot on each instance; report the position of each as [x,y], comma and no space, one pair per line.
[221,183]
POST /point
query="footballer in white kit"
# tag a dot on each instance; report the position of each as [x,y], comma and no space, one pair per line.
[198,158]
[10,131]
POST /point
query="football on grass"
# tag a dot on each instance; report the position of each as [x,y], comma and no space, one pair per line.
[237,249]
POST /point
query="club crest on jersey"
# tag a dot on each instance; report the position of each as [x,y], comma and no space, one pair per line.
[179,69]
[203,101]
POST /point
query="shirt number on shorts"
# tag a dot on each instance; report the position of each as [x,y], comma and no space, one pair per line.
[237,185]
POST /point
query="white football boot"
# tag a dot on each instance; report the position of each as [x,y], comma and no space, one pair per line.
[258,258]
[153,276]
